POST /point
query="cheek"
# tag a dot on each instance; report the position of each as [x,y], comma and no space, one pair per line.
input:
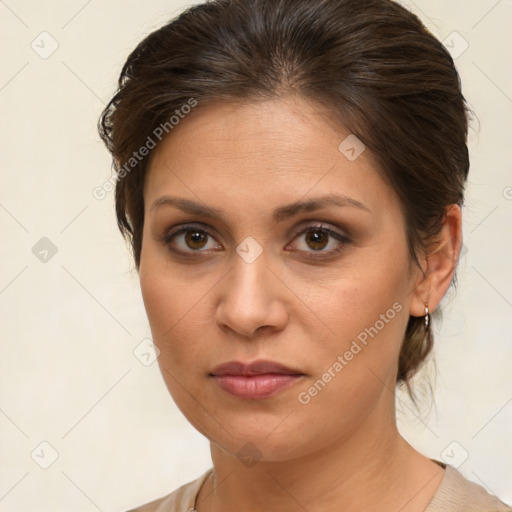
[367,315]
[172,306]
[174,312]
[369,329]
[357,370]
[373,295]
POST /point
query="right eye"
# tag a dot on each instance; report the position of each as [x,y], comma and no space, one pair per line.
[190,239]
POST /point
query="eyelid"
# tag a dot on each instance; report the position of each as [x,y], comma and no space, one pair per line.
[324,226]
[343,239]
[183,228]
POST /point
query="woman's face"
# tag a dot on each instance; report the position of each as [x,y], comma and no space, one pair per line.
[252,278]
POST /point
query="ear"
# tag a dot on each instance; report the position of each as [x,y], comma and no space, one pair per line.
[439,264]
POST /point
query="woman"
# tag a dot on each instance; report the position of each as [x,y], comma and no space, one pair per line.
[290,174]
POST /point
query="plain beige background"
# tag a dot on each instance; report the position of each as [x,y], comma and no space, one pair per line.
[78,395]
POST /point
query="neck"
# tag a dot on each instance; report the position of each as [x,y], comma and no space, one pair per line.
[374,468]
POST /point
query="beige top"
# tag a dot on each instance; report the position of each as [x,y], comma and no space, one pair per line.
[455,494]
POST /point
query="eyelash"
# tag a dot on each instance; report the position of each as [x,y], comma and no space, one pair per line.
[343,239]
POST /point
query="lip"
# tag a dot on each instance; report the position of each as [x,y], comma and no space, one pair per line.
[259,367]
[259,379]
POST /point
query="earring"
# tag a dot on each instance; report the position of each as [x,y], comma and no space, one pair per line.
[426,316]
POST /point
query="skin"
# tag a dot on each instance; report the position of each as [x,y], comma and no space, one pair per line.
[342,450]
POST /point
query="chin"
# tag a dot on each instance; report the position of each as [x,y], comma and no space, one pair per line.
[257,439]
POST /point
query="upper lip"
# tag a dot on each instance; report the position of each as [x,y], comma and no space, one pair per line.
[259,367]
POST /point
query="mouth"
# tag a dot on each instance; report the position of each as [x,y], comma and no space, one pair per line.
[256,380]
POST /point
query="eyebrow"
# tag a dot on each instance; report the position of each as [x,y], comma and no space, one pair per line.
[281,213]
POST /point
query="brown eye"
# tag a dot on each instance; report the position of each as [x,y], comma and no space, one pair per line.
[190,239]
[320,239]
[317,239]
[196,239]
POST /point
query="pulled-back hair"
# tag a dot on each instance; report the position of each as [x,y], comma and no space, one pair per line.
[371,63]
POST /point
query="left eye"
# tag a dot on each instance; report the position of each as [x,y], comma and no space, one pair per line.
[321,239]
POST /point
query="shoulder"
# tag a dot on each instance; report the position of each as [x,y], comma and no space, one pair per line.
[181,500]
[458,494]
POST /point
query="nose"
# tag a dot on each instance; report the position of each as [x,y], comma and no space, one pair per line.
[251,300]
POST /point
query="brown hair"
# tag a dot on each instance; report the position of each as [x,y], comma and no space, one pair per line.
[373,64]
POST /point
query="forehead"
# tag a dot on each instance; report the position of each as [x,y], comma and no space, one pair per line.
[261,153]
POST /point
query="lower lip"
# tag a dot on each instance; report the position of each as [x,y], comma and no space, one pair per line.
[256,386]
